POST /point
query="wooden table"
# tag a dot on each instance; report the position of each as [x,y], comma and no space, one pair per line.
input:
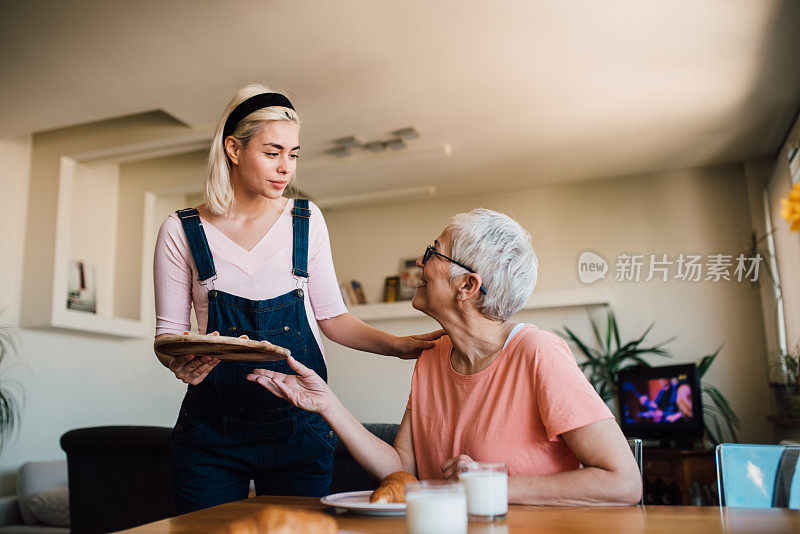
[538,519]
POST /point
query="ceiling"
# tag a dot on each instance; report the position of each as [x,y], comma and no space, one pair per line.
[524,93]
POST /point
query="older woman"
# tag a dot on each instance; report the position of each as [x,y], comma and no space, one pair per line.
[490,390]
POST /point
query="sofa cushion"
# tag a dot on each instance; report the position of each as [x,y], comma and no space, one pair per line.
[35,477]
[50,507]
[33,529]
[9,511]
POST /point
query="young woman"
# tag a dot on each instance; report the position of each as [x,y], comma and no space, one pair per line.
[253,263]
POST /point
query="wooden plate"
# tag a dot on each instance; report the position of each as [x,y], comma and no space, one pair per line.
[222,347]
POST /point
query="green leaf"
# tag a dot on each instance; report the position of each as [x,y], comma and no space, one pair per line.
[596,331]
[716,435]
[719,399]
[658,346]
[706,362]
[640,362]
[8,341]
[589,353]
[647,331]
[610,356]
[616,330]
[9,412]
[721,402]
[719,405]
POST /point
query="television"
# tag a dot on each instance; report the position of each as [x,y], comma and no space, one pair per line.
[661,403]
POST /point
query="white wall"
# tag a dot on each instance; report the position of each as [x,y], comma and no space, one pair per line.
[170,177]
[787,244]
[787,252]
[15,153]
[69,380]
[93,228]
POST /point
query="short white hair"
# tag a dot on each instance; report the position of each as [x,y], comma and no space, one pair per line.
[218,195]
[501,252]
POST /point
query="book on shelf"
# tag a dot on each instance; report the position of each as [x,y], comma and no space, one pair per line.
[358,291]
[391,289]
[347,293]
[352,292]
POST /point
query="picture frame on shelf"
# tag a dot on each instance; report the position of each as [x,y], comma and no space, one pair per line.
[409,278]
[346,290]
[358,292]
[81,287]
[352,293]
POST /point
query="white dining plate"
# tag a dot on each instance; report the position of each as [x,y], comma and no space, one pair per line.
[358,502]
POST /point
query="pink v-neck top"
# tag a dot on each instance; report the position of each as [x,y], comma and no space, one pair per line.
[264,272]
[514,411]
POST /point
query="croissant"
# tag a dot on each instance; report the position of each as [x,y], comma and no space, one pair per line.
[282,520]
[392,488]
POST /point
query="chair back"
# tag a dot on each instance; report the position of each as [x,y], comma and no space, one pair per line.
[119,477]
[758,476]
[347,474]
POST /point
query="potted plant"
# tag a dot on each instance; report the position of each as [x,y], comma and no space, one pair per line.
[612,356]
[9,410]
[786,389]
[716,406]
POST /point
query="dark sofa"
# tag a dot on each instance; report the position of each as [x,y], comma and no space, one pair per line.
[119,475]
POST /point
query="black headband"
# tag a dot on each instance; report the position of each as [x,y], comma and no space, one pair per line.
[254,103]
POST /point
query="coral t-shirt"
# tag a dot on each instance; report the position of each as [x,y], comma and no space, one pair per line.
[514,411]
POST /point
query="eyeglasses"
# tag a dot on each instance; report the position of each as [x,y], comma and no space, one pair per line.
[430,251]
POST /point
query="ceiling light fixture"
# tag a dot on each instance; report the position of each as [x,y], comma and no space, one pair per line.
[362,157]
[339,151]
[396,144]
[375,146]
[344,146]
[406,133]
[350,141]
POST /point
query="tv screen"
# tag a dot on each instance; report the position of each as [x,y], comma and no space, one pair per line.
[661,403]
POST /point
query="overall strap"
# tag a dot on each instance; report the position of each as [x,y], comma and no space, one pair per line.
[301,214]
[201,254]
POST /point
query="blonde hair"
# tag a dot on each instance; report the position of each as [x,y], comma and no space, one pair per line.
[218,194]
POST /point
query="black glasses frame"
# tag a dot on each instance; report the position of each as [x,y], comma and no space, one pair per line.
[430,251]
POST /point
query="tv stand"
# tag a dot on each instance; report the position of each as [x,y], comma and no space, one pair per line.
[677,444]
[681,477]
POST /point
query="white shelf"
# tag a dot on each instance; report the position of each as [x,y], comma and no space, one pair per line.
[100,324]
[562,298]
[96,216]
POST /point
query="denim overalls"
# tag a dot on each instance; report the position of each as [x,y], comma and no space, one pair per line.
[230,430]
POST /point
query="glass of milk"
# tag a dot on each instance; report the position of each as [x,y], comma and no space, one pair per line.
[487,490]
[436,507]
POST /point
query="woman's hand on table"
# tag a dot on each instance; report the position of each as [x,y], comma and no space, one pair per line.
[410,347]
[190,369]
[451,467]
[306,389]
